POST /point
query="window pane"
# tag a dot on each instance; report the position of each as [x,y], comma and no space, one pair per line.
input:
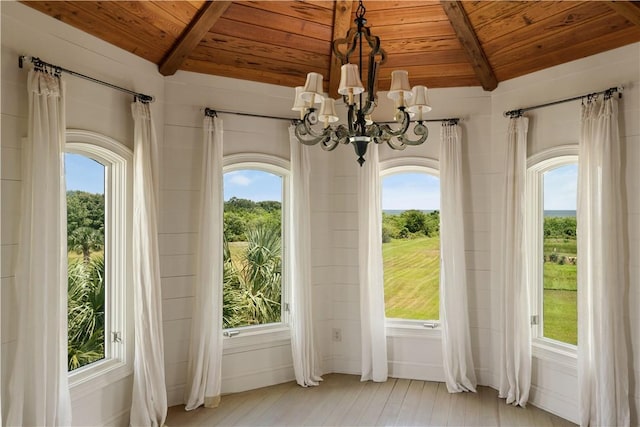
[86,264]
[253,248]
[411,245]
[560,319]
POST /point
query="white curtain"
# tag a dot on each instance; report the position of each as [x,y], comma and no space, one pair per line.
[205,352]
[38,388]
[305,358]
[515,348]
[149,399]
[372,331]
[456,341]
[602,346]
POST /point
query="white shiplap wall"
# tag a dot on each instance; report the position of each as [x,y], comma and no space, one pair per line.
[178,113]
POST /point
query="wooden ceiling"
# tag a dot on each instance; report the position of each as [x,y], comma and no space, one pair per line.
[440,43]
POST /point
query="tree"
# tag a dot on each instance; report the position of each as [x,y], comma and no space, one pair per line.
[83,240]
[414,220]
[84,210]
[432,224]
[235,203]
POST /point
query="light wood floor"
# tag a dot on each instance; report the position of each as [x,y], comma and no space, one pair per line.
[342,400]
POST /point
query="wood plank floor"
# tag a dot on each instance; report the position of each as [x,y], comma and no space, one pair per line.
[342,400]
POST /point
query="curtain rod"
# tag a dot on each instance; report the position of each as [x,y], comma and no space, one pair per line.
[213,113]
[55,69]
[607,93]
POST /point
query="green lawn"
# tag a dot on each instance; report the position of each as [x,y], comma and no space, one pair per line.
[560,311]
[561,316]
[412,278]
[566,247]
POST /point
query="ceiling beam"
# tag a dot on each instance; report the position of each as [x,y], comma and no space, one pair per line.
[470,43]
[341,24]
[199,26]
[628,9]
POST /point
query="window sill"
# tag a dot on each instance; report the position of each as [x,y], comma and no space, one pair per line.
[256,337]
[555,352]
[89,379]
[413,328]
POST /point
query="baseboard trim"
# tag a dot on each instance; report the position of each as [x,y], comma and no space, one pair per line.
[258,378]
[119,419]
[555,403]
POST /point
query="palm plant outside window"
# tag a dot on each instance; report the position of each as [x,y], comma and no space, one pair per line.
[253,249]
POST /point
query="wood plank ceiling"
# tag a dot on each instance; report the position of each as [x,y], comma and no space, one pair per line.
[440,43]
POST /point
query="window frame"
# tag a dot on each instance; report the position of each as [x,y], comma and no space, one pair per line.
[253,337]
[117,160]
[397,327]
[537,165]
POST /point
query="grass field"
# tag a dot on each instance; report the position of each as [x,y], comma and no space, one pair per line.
[560,305]
[412,278]
[73,255]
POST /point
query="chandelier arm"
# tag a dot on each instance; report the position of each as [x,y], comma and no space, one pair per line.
[311,138]
[329,145]
[310,119]
[341,134]
[404,126]
[419,130]
[394,145]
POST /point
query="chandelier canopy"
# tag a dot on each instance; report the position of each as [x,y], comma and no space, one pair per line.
[360,129]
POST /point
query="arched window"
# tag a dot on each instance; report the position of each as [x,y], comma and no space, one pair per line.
[411,242]
[98,182]
[551,225]
[255,222]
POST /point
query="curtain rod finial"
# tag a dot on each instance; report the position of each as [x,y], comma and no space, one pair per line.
[24,58]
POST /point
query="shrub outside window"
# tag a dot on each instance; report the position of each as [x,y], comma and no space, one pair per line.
[411,243]
[254,282]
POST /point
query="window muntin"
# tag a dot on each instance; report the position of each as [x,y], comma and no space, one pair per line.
[254,223]
[116,161]
[411,243]
[551,235]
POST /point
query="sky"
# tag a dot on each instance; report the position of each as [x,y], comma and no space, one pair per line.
[399,191]
[252,185]
[84,174]
[560,188]
[404,191]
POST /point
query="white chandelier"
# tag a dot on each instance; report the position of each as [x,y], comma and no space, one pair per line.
[360,130]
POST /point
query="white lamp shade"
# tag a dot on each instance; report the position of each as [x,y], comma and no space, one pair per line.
[299,104]
[313,88]
[328,111]
[399,85]
[419,100]
[350,79]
